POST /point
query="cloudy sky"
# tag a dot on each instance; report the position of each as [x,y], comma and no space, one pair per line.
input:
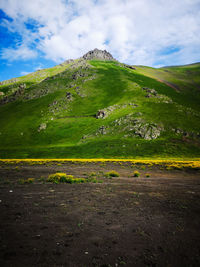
[37,34]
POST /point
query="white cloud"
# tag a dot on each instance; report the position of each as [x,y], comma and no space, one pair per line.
[134,31]
[19,53]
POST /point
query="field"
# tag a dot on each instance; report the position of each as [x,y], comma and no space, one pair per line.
[147,216]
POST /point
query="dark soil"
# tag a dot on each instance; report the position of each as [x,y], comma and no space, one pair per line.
[123,221]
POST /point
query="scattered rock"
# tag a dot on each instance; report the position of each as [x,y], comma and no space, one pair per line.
[53,104]
[42,126]
[69,96]
[102,130]
[149,90]
[138,114]
[149,95]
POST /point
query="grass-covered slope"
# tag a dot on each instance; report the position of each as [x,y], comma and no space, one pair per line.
[91,109]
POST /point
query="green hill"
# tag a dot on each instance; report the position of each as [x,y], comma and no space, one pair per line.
[96,107]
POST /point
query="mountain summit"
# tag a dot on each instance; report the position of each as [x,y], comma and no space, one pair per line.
[98,54]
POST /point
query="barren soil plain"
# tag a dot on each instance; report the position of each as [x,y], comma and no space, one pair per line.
[150,220]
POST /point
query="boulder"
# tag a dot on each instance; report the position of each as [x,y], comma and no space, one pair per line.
[100,114]
[42,126]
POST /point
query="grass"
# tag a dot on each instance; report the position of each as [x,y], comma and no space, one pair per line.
[111,174]
[136,174]
[58,178]
[92,174]
[74,120]
[26,181]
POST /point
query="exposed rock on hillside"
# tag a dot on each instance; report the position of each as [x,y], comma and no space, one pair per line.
[98,54]
[150,91]
[22,86]
[122,65]
[81,62]
[129,126]
[103,113]
[77,73]
[153,93]
[13,80]
[183,133]
[147,131]
[137,127]
[14,96]
[66,62]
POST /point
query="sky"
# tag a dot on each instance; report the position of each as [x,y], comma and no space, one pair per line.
[36,34]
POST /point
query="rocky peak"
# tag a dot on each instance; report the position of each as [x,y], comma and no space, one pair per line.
[98,54]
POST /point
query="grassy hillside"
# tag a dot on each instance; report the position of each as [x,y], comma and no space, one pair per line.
[145,112]
[184,79]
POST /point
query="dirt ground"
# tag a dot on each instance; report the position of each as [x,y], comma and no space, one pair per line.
[123,221]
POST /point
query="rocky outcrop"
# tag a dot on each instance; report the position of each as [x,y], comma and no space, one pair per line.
[6,82]
[137,127]
[184,133]
[66,62]
[150,92]
[13,97]
[103,113]
[122,65]
[129,126]
[147,131]
[153,93]
[79,63]
[98,54]
[77,73]
[129,67]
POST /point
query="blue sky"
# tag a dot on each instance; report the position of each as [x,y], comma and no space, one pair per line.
[39,34]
